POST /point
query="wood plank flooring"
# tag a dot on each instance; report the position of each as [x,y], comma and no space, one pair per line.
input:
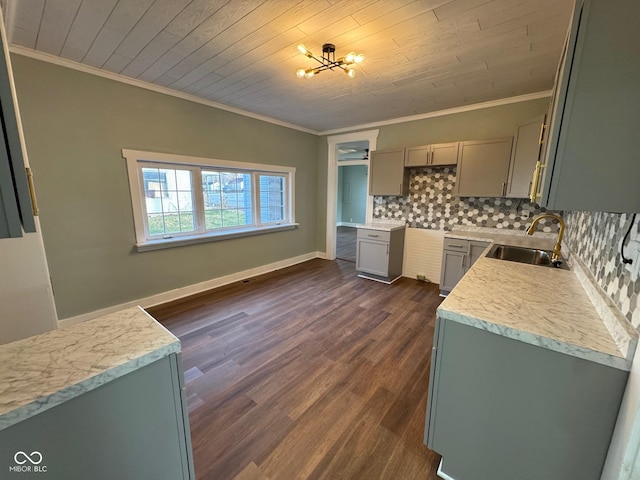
[308,372]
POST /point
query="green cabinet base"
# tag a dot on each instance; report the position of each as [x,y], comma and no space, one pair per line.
[501,409]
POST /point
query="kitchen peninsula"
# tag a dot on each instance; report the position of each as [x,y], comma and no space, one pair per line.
[102,399]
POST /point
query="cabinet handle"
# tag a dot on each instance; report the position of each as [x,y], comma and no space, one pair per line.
[32,193]
[504,189]
[387,249]
[533,193]
[372,236]
[455,245]
[542,129]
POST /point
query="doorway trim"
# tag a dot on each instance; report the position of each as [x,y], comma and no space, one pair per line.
[332,183]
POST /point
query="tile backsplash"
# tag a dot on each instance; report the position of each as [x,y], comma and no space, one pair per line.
[595,238]
[431,204]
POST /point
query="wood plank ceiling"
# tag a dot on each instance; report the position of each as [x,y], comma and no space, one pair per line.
[421,55]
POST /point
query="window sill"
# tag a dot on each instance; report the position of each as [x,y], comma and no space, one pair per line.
[211,237]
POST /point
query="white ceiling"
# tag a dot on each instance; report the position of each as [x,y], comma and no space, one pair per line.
[421,55]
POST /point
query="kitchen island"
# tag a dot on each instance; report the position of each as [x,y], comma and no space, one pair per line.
[101,399]
[528,371]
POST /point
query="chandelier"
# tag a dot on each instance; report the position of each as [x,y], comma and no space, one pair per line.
[328,61]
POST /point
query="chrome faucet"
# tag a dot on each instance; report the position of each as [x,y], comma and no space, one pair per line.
[555,257]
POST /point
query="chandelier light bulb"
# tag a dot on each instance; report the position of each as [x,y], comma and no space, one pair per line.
[300,73]
[302,49]
[309,73]
[350,57]
[351,72]
[358,58]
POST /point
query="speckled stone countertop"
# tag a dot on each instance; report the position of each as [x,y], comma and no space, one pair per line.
[542,306]
[40,372]
[385,227]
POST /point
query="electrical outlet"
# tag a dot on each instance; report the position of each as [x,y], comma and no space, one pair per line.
[632,251]
[634,268]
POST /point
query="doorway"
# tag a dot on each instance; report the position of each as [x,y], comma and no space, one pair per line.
[352,204]
[348,201]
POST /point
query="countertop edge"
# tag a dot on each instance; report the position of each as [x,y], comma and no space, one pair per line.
[46,402]
[619,363]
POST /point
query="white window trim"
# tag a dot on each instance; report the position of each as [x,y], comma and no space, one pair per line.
[133,157]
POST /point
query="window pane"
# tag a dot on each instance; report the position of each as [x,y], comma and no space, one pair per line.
[272,198]
[227,199]
[169,200]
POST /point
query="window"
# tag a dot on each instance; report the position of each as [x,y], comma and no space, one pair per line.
[179,200]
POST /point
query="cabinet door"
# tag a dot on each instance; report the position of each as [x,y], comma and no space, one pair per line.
[483,168]
[387,174]
[417,156]
[16,212]
[453,269]
[526,150]
[592,160]
[476,249]
[372,257]
[444,153]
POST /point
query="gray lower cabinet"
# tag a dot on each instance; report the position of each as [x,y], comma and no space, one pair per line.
[457,258]
[591,156]
[483,168]
[501,409]
[387,175]
[134,427]
[379,254]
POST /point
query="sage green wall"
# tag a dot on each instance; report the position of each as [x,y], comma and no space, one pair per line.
[492,122]
[75,127]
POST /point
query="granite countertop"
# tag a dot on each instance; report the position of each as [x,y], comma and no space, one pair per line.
[547,307]
[385,227]
[40,372]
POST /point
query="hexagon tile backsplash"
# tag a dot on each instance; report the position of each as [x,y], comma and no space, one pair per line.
[595,237]
[431,204]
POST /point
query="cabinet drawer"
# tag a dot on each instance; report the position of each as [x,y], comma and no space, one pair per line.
[456,244]
[380,235]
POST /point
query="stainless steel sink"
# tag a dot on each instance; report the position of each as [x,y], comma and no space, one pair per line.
[532,256]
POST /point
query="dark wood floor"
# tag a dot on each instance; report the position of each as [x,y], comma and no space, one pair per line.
[308,372]
[346,243]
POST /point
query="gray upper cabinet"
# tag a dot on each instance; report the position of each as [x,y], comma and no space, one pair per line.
[591,160]
[526,151]
[483,168]
[16,211]
[440,154]
[445,153]
[417,156]
[387,175]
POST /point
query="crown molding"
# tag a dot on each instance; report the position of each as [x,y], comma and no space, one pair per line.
[441,113]
[63,62]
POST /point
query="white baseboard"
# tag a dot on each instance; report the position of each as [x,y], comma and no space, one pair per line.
[182,292]
[441,474]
